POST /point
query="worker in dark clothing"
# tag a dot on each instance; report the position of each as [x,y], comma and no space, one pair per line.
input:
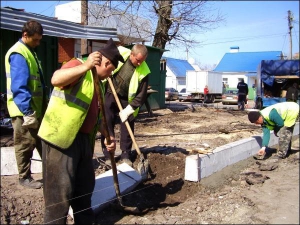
[130,81]
[292,93]
[242,94]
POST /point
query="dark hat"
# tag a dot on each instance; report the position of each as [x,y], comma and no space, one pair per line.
[253,116]
[111,52]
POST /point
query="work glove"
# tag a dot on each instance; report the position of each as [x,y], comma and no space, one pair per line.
[30,121]
[125,113]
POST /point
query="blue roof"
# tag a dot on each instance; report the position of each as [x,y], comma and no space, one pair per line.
[178,66]
[245,61]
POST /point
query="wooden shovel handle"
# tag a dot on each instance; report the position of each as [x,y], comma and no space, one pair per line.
[126,122]
[101,105]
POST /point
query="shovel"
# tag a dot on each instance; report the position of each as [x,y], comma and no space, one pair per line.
[133,210]
[143,165]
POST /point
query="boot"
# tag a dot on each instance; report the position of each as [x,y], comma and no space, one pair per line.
[30,183]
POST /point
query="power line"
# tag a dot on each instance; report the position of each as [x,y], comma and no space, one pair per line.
[55,4]
[243,39]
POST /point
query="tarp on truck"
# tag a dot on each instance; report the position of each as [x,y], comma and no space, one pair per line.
[271,68]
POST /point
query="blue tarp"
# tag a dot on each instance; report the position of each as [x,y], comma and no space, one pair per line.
[271,68]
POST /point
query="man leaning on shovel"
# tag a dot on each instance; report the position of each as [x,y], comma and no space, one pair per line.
[68,135]
[130,81]
[281,118]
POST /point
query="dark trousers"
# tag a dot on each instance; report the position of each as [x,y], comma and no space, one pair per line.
[112,113]
[242,100]
[69,180]
[25,140]
[205,98]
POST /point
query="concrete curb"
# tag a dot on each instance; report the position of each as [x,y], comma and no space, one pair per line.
[9,163]
[229,154]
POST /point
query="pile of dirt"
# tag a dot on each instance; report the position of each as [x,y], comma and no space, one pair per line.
[166,198]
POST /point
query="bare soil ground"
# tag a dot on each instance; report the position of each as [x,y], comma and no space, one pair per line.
[239,194]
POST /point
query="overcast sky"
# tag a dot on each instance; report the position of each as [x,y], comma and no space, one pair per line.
[253,26]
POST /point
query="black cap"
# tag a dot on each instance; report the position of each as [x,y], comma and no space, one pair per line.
[111,52]
[253,116]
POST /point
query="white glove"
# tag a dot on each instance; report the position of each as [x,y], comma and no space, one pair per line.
[125,113]
[30,121]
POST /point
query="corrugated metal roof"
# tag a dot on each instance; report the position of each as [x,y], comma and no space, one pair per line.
[13,19]
[178,66]
[245,61]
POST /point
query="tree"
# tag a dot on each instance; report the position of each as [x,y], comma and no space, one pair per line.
[173,22]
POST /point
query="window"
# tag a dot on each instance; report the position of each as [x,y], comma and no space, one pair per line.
[181,82]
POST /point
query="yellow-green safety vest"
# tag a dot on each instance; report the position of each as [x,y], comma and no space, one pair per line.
[66,112]
[34,84]
[287,110]
[139,73]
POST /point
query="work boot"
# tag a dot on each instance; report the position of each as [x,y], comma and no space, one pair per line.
[30,183]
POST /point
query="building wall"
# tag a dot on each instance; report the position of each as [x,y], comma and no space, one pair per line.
[181,83]
[233,79]
[65,49]
[171,80]
[70,11]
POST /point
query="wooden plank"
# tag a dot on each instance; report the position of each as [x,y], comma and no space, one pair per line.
[286,76]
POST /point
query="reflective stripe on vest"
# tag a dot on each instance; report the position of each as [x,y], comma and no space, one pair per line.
[35,86]
[66,112]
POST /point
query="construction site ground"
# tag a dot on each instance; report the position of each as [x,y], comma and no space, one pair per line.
[238,194]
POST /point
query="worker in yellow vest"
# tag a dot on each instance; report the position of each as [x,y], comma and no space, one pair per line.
[281,118]
[26,98]
[68,133]
[130,81]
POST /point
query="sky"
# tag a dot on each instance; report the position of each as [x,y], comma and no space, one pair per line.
[253,26]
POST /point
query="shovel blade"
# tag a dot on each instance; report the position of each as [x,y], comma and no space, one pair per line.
[143,168]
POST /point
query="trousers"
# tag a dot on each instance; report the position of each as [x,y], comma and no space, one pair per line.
[242,100]
[25,140]
[112,112]
[69,180]
[285,141]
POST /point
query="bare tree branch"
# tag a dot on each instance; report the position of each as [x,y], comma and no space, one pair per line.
[165,22]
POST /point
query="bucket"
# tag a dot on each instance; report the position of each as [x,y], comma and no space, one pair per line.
[192,168]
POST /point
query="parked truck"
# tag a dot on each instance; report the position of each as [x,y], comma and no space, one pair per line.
[197,80]
[274,77]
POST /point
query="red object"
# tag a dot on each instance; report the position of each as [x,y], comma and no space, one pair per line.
[206,90]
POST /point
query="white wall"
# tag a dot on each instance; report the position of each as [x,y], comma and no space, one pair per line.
[69,11]
[171,80]
[233,79]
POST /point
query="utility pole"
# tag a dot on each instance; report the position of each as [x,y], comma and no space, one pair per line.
[290,19]
[84,21]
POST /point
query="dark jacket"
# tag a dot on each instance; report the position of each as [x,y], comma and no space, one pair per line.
[243,88]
